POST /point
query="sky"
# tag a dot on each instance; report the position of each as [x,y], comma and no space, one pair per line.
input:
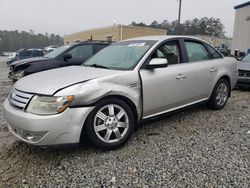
[69,16]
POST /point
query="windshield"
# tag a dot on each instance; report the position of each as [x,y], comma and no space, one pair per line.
[57,51]
[121,56]
[246,58]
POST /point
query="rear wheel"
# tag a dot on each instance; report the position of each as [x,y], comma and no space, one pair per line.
[110,124]
[220,95]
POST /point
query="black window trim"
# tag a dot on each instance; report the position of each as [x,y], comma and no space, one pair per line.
[206,46]
[94,47]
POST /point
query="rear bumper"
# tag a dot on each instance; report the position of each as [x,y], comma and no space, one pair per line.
[64,128]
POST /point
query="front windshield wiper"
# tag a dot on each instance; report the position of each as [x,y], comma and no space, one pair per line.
[97,66]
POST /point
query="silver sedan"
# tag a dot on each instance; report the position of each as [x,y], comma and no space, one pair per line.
[106,97]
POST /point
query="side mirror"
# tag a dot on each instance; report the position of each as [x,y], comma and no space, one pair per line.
[67,56]
[157,63]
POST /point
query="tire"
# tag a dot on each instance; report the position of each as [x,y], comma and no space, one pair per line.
[110,124]
[220,95]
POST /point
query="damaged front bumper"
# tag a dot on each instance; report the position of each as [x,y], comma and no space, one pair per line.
[64,128]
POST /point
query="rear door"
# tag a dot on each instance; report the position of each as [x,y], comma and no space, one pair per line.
[201,69]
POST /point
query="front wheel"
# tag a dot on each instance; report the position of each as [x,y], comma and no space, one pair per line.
[110,124]
[220,95]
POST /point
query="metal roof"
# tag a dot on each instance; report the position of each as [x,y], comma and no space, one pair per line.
[242,5]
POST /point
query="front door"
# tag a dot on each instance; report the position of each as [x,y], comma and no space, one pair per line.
[164,88]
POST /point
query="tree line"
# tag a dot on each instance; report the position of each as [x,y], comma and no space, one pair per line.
[14,40]
[203,26]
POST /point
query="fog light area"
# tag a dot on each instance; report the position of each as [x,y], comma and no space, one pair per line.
[30,136]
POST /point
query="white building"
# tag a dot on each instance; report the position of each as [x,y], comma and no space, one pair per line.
[241,34]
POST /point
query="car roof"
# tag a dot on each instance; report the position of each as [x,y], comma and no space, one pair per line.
[161,38]
[33,49]
[90,42]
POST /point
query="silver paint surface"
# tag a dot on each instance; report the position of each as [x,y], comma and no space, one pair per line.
[152,92]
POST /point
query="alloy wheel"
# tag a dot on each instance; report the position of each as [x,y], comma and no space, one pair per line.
[221,94]
[111,123]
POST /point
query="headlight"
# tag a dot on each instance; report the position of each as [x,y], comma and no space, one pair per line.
[46,105]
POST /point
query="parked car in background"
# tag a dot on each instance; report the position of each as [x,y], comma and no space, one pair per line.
[25,54]
[4,54]
[224,51]
[11,56]
[67,55]
[244,72]
[121,85]
[50,48]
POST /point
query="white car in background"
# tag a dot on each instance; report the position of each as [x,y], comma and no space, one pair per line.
[113,91]
[50,48]
[11,55]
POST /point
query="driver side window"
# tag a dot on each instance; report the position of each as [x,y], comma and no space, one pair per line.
[170,51]
[81,52]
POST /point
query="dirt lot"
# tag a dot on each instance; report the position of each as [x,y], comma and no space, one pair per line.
[193,148]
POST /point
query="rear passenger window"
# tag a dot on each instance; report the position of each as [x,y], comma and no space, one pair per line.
[196,51]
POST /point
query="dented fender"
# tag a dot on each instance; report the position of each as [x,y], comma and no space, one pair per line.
[90,92]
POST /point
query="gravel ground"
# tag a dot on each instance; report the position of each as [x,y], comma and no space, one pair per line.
[193,148]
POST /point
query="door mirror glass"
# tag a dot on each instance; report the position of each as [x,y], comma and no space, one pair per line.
[157,63]
[67,56]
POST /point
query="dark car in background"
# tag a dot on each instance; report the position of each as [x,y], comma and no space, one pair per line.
[26,54]
[67,55]
[224,51]
[244,73]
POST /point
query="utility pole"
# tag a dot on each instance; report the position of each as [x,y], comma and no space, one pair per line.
[179,19]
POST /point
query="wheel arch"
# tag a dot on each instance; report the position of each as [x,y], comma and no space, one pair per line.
[227,78]
[120,97]
[125,99]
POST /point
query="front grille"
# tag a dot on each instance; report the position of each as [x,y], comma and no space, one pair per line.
[19,99]
[244,73]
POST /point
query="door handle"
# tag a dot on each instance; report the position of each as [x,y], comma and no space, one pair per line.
[181,76]
[213,69]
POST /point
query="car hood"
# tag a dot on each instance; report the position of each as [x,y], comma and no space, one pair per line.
[30,60]
[244,66]
[49,82]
